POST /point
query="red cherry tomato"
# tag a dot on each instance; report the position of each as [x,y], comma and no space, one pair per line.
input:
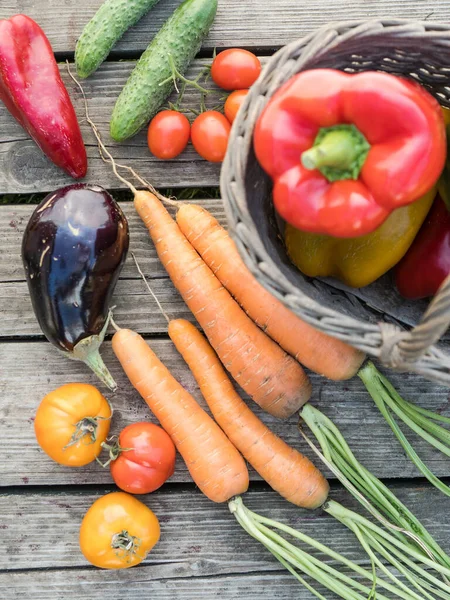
[146,460]
[168,134]
[233,104]
[235,69]
[210,132]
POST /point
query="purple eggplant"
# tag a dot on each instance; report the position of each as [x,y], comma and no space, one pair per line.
[73,250]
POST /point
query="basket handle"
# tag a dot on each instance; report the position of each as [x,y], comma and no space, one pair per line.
[402,348]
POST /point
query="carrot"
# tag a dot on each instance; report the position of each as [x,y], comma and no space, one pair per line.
[286,470]
[314,349]
[213,462]
[269,375]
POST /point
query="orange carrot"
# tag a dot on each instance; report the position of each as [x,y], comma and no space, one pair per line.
[314,349]
[270,376]
[286,470]
[213,462]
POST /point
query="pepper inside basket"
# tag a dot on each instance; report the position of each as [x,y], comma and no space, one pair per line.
[374,319]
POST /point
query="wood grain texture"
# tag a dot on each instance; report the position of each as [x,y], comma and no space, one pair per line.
[25,169]
[198,538]
[253,23]
[14,218]
[28,371]
[134,584]
[18,318]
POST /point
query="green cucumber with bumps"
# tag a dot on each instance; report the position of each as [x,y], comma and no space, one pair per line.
[181,38]
[106,28]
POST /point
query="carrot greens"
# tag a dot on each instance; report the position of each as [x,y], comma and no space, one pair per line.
[421,421]
[300,563]
[376,498]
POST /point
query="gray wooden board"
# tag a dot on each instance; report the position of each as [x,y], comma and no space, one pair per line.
[29,370]
[202,553]
[138,583]
[25,169]
[198,537]
[141,313]
[14,218]
[253,23]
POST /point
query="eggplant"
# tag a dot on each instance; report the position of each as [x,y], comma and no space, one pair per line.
[73,250]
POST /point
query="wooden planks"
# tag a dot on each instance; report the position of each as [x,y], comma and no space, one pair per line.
[198,538]
[30,370]
[134,583]
[24,168]
[253,23]
[14,218]
[18,318]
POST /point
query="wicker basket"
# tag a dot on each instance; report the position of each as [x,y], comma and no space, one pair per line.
[418,50]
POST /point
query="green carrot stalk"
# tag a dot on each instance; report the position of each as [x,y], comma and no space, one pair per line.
[406,559]
[376,498]
[299,562]
[422,422]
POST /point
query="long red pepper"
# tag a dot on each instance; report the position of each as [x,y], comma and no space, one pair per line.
[34,93]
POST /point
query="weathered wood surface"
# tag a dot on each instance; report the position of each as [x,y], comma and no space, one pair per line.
[25,169]
[253,23]
[134,584]
[30,370]
[18,318]
[14,218]
[198,538]
[202,552]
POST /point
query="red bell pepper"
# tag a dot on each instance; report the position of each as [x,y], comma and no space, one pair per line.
[34,93]
[427,263]
[345,150]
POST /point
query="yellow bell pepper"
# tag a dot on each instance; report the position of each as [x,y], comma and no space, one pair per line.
[359,261]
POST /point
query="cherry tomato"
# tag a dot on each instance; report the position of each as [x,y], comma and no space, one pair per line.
[209,134]
[235,69]
[168,134]
[233,104]
[118,531]
[71,423]
[146,458]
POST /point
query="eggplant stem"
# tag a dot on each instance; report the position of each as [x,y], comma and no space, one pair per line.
[88,351]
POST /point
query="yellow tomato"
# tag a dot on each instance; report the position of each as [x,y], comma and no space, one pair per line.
[118,531]
[71,423]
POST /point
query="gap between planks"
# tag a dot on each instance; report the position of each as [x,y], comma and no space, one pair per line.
[18,318]
[199,536]
[249,24]
[346,403]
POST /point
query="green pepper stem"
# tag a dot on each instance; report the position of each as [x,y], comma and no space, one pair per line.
[338,152]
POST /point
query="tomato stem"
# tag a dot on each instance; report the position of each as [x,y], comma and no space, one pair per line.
[127,545]
[114,450]
[177,75]
[86,427]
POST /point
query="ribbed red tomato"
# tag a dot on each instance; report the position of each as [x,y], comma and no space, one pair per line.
[168,134]
[235,69]
[146,458]
[209,134]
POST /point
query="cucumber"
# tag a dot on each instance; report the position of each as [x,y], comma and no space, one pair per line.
[106,28]
[180,37]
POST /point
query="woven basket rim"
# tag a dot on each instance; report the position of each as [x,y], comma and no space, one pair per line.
[381,339]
